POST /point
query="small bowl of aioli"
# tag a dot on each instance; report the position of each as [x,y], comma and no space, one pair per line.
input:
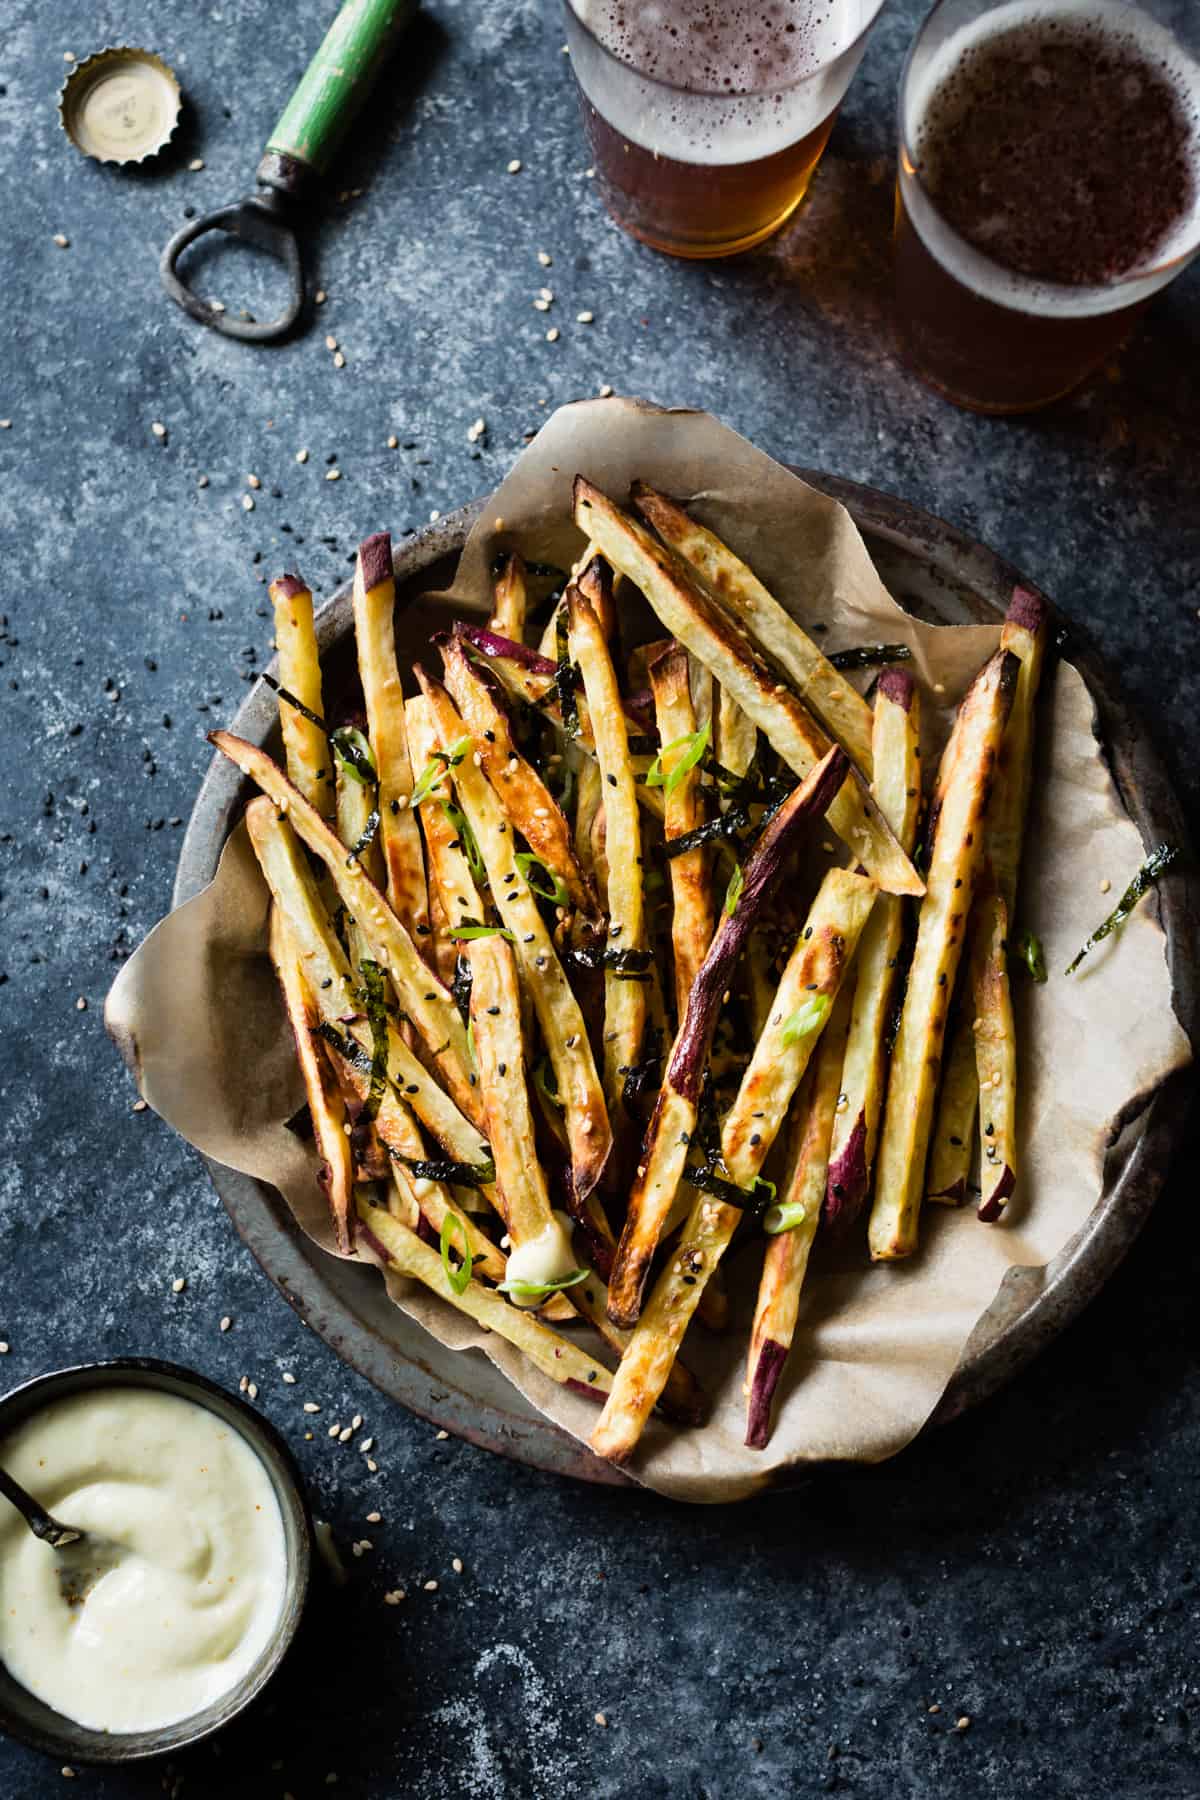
[195,1610]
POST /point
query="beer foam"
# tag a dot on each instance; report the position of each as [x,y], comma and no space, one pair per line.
[936,81]
[704,82]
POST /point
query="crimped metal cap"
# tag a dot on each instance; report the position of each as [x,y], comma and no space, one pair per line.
[121,105]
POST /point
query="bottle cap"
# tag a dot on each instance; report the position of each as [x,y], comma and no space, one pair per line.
[120,105]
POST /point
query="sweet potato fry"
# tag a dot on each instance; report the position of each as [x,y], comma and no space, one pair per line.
[328,1114]
[693,916]
[996,1056]
[801,1197]
[528,804]
[555,1356]
[895,753]
[509,597]
[305,744]
[956,846]
[694,617]
[374,605]
[824,690]
[815,971]
[427,1003]
[664,1151]
[624,993]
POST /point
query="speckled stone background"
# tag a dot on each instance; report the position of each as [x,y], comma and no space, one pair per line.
[1033,1568]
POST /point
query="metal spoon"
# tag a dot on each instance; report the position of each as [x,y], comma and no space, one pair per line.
[84,1557]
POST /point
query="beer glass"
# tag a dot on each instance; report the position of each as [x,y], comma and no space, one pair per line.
[1048,187]
[706,120]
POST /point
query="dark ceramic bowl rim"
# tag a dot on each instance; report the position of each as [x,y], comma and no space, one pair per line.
[52,1732]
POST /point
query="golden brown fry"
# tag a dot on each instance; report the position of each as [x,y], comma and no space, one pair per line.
[996,1056]
[803,1193]
[555,1356]
[374,606]
[950,1143]
[896,757]
[700,623]
[557,1009]
[427,1003]
[528,804]
[305,745]
[328,1114]
[824,689]
[509,598]
[957,826]
[693,918]
[816,970]
[624,994]
[355,809]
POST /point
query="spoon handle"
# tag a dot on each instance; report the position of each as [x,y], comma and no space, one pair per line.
[36,1517]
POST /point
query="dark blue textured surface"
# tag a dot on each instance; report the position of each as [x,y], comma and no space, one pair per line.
[1032,1567]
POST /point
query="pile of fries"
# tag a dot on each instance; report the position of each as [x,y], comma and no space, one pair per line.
[576,1000]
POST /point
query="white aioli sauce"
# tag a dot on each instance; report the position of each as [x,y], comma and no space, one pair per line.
[546,1257]
[199,1584]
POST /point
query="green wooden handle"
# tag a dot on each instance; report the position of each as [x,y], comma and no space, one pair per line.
[337,81]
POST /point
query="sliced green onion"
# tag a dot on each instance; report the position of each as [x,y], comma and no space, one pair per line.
[697,744]
[376,1009]
[459,1278]
[546,1082]
[805,1020]
[532,1290]
[471,1043]
[525,861]
[469,930]
[767,1187]
[733,892]
[436,767]
[466,842]
[867,656]
[1029,948]
[353,751]
[1159,860]
[784,1218]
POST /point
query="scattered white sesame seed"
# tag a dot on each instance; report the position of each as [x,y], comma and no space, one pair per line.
[584,318]
[345,1436]
[196,164]
[546,294]
[552,335]
[514,167]
[320,296]
[310,1406]
[1106,885]
[604,391]
[962,1723]
[333,474]
[476,431]
[252,1390]
[545,258]
[64,243]
[393,442]
[373,1518]
[394,1597]
[81,1004]
[356,1422]
[68,56]
[302,456]
[202,481]
[589,174]
[373,1466]
[430,1587]
[330,341]
[288,1379]
[541,304]
[5,424]
[247,502]
[334,1430]
[441,1435]
[3,1347]
[243,1384]
[367,1444]
[68,1771]
[178,1285]
[308,1437]
[456,1565]
[339,360]
[600,1719]
[252,481]
[939,687]
[158,428]
[226,1322]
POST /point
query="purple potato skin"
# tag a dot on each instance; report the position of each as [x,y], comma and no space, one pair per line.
[993,1206]
[899,687]
[375,560]
[768,1367]
[492,644]
[846,1181]
[286,587]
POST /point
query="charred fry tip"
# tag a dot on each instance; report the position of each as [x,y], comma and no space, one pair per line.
[898,686]
[1026,609]
[286,587]
[991,1208]
[768,1367]
[375,560]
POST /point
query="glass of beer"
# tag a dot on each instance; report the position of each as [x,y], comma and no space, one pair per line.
[707,117]
[1049,186]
